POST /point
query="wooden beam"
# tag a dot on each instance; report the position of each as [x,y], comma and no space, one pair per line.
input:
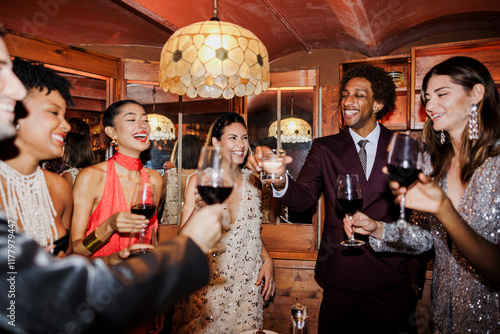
[297,78]
[49,52]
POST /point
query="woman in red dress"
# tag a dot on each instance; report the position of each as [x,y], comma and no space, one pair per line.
[102,220]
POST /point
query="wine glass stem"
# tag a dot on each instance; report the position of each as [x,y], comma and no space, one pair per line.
[352,235]
[402,215]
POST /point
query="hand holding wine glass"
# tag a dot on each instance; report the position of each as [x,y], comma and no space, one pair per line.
[349,199]
[402,166]
[143,203]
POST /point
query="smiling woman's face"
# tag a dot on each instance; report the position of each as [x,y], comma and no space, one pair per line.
[42,132]
[234,143]
[131,129]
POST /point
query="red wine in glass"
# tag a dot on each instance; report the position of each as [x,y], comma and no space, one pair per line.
[143,203]
[404,176]
[402,164]
[145,209]
[349,199]
[350,206]
[213,195]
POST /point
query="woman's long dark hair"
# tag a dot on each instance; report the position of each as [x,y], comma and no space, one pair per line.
[466,72]
[78,151]
[217,129]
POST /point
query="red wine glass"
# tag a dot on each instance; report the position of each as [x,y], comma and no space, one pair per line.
[143,203]
[349,199]
[215,175]
[402,165]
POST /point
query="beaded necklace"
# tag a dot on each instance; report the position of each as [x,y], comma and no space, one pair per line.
[28,201]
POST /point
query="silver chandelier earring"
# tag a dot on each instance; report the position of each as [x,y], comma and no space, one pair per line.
[473,123]
[443,138]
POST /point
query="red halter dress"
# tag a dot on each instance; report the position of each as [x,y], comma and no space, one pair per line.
[113,201]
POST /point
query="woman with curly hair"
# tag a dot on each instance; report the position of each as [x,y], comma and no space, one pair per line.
[38,200]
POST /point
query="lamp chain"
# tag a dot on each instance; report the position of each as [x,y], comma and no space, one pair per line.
[154,98]
[215,11]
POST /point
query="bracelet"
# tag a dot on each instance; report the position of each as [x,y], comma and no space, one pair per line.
[92,243]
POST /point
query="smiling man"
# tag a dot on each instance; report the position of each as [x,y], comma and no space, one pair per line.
[364,291]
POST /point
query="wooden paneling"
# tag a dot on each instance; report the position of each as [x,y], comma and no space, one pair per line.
[295,283]
[423,58]
[297,78]
[54,53]
[330,110]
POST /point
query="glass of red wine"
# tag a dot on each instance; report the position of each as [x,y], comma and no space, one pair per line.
[402,165]
[349,199]
[215,180]
[143,203]
[215,176]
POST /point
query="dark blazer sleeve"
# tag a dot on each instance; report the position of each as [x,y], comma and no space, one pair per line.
[52,295]
[304,194]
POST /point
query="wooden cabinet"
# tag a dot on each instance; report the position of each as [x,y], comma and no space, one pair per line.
[423,58]
[409,113]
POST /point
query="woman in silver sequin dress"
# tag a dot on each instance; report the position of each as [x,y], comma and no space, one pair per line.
[241,276]
[458,204]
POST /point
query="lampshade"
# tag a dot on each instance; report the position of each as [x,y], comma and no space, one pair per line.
[162,128]
[293,130]
[213,59]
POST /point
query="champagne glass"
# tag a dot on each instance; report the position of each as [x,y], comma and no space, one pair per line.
[349,199]
[143,203]
[402,165]
[215,176]
[299,316]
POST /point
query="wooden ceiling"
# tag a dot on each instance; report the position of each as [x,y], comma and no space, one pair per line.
[139,28]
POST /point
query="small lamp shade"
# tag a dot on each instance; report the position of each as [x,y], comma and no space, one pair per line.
[214,59]
[293,130]
[162,128]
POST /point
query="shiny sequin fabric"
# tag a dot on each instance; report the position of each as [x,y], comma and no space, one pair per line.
[231,302]
[462,302]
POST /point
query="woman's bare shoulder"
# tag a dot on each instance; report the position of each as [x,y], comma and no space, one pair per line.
[94,174]
[154,176]
[56,183]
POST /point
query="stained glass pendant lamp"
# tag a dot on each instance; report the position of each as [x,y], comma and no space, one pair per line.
[211,59]
[293,129]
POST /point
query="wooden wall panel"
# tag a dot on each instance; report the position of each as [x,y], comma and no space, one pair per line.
[330,110]
[63,55]
[294,283]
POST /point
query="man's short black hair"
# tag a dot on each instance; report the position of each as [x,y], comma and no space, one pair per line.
[382,85]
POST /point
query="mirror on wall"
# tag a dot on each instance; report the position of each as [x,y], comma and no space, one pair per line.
[294,106]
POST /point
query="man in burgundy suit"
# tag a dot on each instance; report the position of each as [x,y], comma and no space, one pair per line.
[364,291]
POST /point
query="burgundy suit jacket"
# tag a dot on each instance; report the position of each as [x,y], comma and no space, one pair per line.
[353,268]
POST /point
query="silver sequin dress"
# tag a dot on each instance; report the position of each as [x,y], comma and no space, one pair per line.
[231,302]
[462,302]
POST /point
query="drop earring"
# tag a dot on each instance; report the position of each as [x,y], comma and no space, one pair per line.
[443,138]
[473,123]
[148,145]
[114,143]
